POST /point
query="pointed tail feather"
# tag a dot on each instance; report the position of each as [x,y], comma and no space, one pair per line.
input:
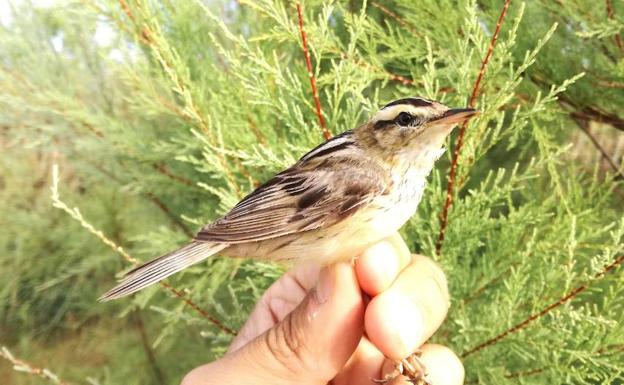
[162,267]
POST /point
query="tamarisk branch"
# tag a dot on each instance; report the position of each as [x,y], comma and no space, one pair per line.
[566,298]
[462,131]
[317,102]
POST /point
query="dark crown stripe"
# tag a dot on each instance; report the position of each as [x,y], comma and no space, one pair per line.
[337,143]
[416,102]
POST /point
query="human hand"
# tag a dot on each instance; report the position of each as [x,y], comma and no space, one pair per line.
[313,327]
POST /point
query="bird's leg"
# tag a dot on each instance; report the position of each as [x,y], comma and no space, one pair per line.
[389,377]
[411,367]
[415,370]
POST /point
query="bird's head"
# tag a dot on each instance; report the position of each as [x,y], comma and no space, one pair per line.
[411,128]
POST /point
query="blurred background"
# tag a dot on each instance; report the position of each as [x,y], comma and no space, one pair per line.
[161,115]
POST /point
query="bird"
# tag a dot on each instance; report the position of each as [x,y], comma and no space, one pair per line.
[341,197]
[337,200]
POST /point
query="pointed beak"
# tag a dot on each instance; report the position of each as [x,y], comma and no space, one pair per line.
[456,115]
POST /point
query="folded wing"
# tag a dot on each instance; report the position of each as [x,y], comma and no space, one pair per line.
[298,200]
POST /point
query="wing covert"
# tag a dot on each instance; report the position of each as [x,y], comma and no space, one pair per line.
[298,199]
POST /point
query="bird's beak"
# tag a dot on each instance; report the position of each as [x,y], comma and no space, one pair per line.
[456,115]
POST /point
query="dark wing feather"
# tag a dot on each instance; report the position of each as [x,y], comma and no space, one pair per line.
[299,199]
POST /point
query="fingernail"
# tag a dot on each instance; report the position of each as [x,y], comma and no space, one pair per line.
[384,254]
[324,286]
[409,326]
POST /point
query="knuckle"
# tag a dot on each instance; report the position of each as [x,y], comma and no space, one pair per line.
[435,271]
[286,343]
[439,276]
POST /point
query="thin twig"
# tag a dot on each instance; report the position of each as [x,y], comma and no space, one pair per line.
[611,15]
[396,17]
[172,217]
[610,84]
[386,74]
[582,116]
[566,298]
[477,293]
[165,56]
[254,128]
[598,115]
[523,373]
[317,102]
[152,197]
[605,155]
[77,215]
[23,366]
[389,75]
[198,309]
[149,352]
[462,132]
[163,169]
[587,112]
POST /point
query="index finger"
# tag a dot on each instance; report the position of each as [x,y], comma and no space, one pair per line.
[405,315]
[378,267]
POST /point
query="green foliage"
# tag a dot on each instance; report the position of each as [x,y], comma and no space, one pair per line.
[162,115]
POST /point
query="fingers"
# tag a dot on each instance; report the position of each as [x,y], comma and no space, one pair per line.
[442,365]
[404,316]
[379,266]
[309,346]
[277,302]
[363,366]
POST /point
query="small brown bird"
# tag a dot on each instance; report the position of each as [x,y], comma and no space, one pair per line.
[337,200]
[340,198]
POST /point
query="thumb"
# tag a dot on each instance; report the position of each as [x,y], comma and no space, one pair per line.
[313,343]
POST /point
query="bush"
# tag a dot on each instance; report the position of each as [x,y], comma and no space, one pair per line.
[161,116]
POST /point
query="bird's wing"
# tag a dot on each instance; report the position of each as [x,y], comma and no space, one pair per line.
[299,199]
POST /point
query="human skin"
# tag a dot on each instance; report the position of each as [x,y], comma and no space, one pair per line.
[314,326]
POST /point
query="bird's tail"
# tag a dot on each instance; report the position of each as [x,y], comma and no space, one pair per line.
[162,267]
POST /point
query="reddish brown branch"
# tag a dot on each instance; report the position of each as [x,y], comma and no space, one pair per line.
[462,132]
[566,298]
[75,214]
[172,217]
[611,15]
[396,17]
[524,373]
[583,115]
[149,352]
[610,84]
[598,115]
[254,128]
[94,130]
[491,282]
[389,75]
[201,311]
[614,349]
[163,169]
[152,197]
[605,155]
[317,102]
[149,36]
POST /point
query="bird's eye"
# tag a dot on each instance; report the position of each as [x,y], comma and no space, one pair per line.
[404,119]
